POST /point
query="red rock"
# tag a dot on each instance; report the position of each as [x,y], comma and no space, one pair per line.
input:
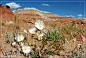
[6,13]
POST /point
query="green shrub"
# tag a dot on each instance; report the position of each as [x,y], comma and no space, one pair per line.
[53,25]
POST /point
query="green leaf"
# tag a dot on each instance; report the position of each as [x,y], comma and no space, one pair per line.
[73,24]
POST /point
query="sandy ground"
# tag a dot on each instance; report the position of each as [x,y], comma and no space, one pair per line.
[5,48]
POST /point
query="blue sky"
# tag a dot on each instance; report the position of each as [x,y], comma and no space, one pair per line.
[63,8]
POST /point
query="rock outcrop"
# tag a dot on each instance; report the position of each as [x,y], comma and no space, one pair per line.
[31,14]
[5,13]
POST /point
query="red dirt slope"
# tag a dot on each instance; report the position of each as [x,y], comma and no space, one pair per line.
[6,13]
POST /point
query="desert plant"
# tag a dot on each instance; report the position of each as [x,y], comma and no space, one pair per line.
[80,53]
[7,36]
[15,19]
[18,21]
[3,24]
[51,42]
[53,25]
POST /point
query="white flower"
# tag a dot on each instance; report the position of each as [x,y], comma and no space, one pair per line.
[39,35]
[21,44]
[32,30]
[25,31]
[26,49]
[39,24]
[19,38]
[14,43]
[79,44]
[11,22]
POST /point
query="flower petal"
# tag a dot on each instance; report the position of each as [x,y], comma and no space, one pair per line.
[26,49]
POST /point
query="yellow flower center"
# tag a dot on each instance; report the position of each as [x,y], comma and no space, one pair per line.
[25,49]
[19,38]
[81,35]
[40,25]
[38,34]
[33,31]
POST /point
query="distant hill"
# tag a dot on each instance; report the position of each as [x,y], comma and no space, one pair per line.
[29,14]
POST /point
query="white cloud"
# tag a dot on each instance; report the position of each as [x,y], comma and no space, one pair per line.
[13,5]
[45,4]
[67,16]
[80,15]
[71,16]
